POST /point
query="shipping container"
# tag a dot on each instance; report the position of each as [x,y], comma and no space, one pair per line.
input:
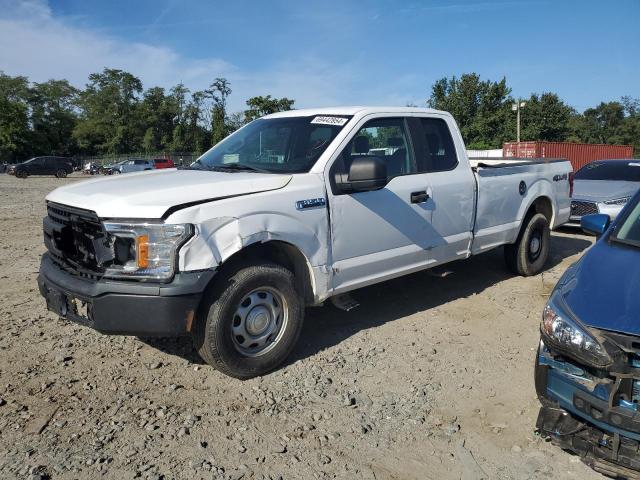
[579,154]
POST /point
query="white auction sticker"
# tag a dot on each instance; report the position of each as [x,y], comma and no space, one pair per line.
[338,121]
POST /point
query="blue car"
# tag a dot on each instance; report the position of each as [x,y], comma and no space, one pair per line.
[587,372]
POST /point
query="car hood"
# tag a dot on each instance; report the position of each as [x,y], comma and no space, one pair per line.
[150,194]
[605,295]
[601,190]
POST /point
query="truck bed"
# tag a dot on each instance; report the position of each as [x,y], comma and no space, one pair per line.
[505,190]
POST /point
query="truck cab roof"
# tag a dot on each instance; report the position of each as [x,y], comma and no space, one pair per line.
[354,110]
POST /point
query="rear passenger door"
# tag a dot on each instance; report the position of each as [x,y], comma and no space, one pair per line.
[452,186]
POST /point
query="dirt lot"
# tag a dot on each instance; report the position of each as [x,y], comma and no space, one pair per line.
[431,378]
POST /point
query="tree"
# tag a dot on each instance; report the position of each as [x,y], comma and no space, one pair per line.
[109,122]
[479,107]
[14,117]
[219,90]
[261,106]
[546,118]
[53,106]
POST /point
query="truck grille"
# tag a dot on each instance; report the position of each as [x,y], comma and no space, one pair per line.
[76,240]
[580,208]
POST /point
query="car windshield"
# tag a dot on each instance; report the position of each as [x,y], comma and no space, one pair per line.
[628,231]
[617,170]
[287,145]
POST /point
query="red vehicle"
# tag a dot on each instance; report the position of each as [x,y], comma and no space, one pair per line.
[163,163]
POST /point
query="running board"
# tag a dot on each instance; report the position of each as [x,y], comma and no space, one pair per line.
[439,272]
[345,302]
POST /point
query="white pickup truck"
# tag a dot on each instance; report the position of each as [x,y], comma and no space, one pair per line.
[289,211]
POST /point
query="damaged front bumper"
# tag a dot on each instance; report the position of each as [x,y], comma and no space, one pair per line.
[591,413]
[124,307]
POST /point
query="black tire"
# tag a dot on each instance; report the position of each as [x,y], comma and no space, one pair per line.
[61,173]
[214,337]
[21,174]
[529,254]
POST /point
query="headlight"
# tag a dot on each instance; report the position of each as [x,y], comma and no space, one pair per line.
[617,201]
[565,333]
[145,250]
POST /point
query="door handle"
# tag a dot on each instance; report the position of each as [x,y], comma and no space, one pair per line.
[419,197]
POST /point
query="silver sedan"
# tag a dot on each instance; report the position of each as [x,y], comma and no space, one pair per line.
[603,186]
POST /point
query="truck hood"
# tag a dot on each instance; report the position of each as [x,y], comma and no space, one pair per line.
[606,293]
[601,190]
[151,194]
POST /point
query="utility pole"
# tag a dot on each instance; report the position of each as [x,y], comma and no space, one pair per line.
[516,108]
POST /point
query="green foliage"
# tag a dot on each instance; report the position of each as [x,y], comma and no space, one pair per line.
[483,112]
[261,106]
[113,114]
[14,116]
[480,108]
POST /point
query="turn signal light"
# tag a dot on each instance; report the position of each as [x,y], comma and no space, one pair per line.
[142,250]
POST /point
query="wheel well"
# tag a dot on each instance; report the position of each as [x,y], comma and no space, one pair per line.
[278,252]
[542,205]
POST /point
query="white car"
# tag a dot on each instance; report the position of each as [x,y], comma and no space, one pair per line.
[603,186]
[289,211]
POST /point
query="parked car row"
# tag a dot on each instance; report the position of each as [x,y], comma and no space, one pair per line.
[130,165]
[63,166]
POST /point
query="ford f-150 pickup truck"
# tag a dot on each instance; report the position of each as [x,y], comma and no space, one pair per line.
[290,210]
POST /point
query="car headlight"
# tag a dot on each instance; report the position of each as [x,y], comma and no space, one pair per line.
[145,250]
[617,201]
[562,331]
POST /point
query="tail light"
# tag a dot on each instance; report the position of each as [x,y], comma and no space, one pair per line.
[571,175]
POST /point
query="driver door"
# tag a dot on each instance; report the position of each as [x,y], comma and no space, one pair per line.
[387,232]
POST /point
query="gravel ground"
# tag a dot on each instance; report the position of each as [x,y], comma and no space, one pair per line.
[430,378]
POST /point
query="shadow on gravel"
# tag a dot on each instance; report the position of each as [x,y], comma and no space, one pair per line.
[389,301]
[395,299]
[179,347]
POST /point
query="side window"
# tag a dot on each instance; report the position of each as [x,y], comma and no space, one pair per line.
[385,138]
[139,162]
[435,151]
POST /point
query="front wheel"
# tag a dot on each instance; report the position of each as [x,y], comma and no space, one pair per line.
[251,321]
[529,254]
[21,174]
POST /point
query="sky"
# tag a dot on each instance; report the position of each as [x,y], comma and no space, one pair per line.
[323,53]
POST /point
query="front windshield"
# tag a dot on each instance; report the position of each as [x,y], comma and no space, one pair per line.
[274,145]
[618,170]
[629,229]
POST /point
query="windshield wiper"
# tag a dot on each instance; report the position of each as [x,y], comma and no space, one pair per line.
[239,167]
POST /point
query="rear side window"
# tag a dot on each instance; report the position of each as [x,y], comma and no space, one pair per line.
[139,162]
[433,144]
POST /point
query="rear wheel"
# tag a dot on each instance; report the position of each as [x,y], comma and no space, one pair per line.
[61,173]
[115,172]
[529,254]
[250,322]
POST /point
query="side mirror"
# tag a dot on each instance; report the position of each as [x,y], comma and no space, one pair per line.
[595,224]
[365,174]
